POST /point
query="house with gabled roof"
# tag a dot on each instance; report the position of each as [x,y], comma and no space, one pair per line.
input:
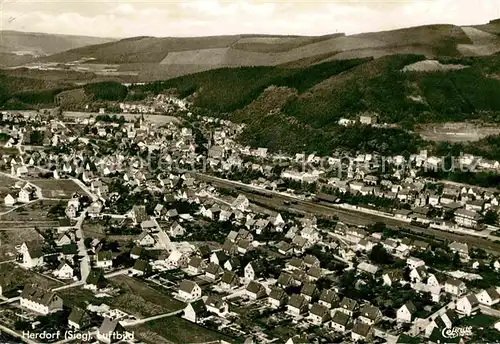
[195,265]
[361,331]
[455,287]
[95,280]
[189,291]
[141,267]
[39,300]
[277,297]
[255,290]
[232,264]
[215,304]
[78,319]
[329,298]
[145,239]
[297,305]
[340,321]
[64,270]
[32,254]
[348,306]
[195,311]
[406,312]
[229,280]
[467,304]
[104,259]
[213,271]
[111,331]
[488,297]
[370,314]
[309,291]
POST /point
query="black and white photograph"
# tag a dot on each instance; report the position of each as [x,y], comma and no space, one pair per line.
[249,172]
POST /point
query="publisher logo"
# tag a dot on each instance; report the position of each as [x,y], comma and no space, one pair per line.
[456,332]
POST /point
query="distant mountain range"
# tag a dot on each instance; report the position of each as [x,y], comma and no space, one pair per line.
[151,58]
[293,90]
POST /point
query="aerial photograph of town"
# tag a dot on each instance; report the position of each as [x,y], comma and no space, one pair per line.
[208,171]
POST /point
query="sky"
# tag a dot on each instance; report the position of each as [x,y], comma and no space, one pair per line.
[215,17]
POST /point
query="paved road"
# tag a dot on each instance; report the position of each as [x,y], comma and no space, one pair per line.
[156,317]
[351,217]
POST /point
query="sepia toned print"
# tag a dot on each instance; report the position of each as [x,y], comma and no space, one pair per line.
[208,171]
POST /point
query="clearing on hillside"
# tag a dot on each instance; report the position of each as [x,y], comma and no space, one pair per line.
[58,188]
[456,132]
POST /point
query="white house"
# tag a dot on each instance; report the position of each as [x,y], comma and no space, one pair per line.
[277,298]
[9,200]
[297,304]
[24,196]
[455,287]
[405,313]
[189,291]
[255,290]
[339,322]
[64,271]
[39,300]
[104,259]
[319,314]
[488,297]
[467,304]
[32,254]
[216,305]
[145,239]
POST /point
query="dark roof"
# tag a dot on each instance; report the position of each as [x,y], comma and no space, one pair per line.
[104,255]
[319,310]
[329,296]
[70,249]
[109,326]
[136,250]
[204,250]
[362,329]
[199,306]
[348,304]
[370,312]
[34,249]
[195,262]
[297,301]
[214,301]
[229,277]
[277,293]
[141,265]
[187,286]
[340,318]
[411,307]
[95,277]
[213,269]
[285,279]
[308,289]
[36,294]
[78,316]
[255,287]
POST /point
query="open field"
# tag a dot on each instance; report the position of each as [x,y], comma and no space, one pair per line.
[17,277]
[10,239]
[6,184]
[457,132]
[178,330]
[57,188]
[142,300]
[34,212]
